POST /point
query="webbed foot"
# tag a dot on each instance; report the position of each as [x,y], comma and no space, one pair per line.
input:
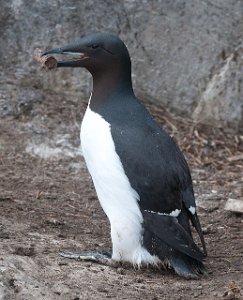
[99,257]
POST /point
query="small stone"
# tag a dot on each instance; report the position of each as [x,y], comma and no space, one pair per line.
[234,205]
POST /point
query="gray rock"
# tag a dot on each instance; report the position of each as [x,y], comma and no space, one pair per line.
[187,55]
[234,205]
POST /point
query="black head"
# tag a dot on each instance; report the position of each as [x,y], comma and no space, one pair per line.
[96,52]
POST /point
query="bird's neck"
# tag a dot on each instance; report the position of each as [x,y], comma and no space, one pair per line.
[110,85]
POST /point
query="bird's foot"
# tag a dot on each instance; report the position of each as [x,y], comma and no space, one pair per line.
[98,257]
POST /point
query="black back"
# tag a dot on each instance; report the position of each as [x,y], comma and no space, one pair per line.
[152,161]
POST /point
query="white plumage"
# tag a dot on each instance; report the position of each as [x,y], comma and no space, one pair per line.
[117,198]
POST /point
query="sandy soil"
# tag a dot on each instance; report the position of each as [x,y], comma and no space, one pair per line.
[48,205]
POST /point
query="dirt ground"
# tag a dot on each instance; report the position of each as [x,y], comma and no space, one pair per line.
[48,205]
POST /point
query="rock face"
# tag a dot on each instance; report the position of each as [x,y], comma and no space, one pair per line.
[187,55]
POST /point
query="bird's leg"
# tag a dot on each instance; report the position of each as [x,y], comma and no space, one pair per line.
[102,257]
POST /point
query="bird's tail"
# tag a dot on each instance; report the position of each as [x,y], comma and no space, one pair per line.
[195,222]
[186,266]
[166,238]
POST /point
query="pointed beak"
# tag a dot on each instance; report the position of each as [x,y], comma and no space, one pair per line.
[53,51]
[73,58]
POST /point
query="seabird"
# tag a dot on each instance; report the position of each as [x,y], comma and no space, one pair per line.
[140,175]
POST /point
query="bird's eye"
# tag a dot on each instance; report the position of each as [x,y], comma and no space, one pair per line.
[94,46]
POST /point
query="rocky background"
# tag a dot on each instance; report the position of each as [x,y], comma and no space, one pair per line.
[187,55]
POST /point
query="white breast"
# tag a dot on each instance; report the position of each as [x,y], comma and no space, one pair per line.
[116,196]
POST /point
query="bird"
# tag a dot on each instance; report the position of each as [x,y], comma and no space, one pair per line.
[140,175]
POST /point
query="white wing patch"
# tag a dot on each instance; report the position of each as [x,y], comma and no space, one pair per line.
[192,210]
[174,213]
[117,198]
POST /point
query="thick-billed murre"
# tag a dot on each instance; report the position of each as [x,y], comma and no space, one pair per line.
[140,175]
